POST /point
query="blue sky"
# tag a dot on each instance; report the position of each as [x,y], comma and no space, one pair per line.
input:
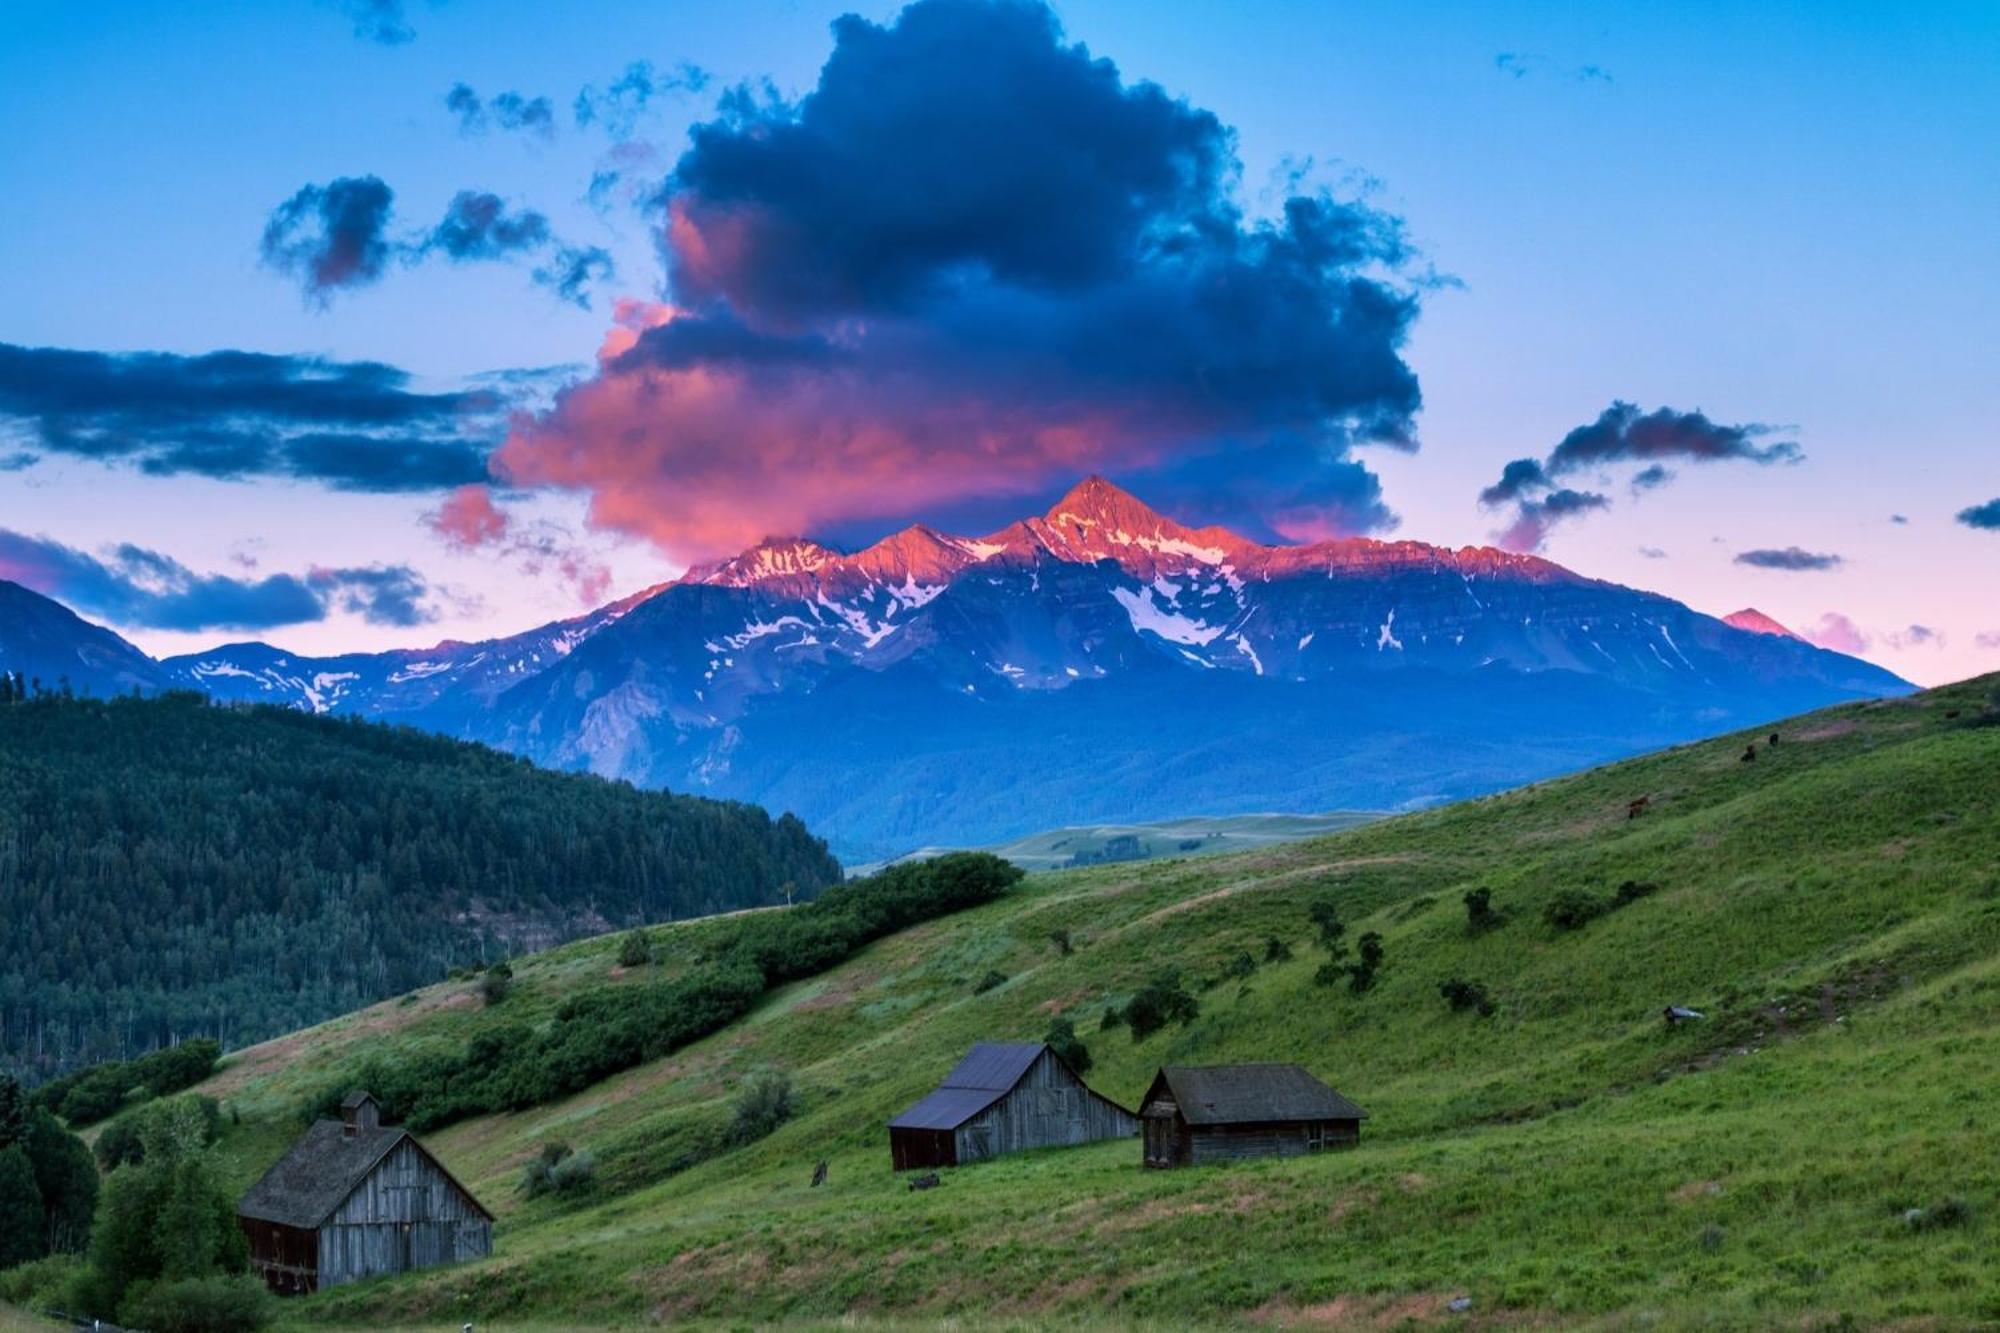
[1772,213]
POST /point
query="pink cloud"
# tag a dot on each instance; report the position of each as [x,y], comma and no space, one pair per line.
[468,519]
[1834,630]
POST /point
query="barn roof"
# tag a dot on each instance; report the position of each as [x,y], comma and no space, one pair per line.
[322,1169]
[1253,1094]
[988,1072]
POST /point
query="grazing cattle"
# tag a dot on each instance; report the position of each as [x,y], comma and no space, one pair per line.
[1633,809]
[1774,738]
[1749,755]
[928,1181]
[819,1174]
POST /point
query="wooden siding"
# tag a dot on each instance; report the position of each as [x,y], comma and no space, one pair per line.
[1049,1107]
[405,1214]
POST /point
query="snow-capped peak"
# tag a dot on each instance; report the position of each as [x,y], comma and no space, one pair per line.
[1757,622]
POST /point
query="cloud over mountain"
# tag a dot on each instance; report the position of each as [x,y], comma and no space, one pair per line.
[351,425]
[1622,434]
[139,588]
[975,260]
[1790,558]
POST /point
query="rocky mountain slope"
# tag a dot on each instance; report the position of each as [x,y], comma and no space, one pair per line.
[1098,661]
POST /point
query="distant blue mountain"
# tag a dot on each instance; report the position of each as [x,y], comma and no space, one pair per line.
[1098,662]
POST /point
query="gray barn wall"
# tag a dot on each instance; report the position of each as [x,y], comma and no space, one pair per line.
[1226,1143]
[1048,1108]
[406,1214]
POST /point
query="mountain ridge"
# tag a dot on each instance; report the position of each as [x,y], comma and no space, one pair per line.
[1098,661]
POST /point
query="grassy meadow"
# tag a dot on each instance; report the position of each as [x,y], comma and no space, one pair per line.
[1833,907]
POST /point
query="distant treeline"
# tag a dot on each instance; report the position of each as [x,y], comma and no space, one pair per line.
[601,1031]
[170,868]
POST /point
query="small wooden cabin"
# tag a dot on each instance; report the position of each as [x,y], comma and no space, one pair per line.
[355,1198]
[1218,1113]
[1004,1097]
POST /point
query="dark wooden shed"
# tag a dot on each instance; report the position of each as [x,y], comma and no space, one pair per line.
[1216,1113]
[1004,1097]
[355,1198]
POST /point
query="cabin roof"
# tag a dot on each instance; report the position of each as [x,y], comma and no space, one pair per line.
[322,1168]
[988,1072]
[354,1099]
[1253,1094]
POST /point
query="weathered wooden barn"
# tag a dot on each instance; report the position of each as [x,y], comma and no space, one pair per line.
[1217,1113]
[1004,1097]
[355,1198]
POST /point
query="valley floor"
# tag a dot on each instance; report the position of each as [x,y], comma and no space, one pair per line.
[1833,907]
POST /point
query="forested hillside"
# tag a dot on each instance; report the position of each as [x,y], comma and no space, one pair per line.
[169,868]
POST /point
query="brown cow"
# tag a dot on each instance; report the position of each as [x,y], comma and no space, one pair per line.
[1633,809]
[1749,754]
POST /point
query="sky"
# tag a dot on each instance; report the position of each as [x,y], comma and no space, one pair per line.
[349,324]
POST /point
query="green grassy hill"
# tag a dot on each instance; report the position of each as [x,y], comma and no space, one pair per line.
[1833,906]
[1079,845]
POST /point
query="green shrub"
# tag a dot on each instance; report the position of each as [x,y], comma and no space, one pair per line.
[1113,1017]
[986,983]
[1479,914]
[1276,950]
[1241,967]
[1362,975]
[557,1170]
[1942,1215]
[1064,945]
[1573,909]
[1324,914]
[1462,995]
[764,1102]
[1069,1048]
[89,1095]
[1163,1000]
[634,950]
[201,1305]
[493,988]
[1631,891]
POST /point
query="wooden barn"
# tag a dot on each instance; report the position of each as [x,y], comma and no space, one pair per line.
[355,1198]
[1218,1113]
[1004,1097]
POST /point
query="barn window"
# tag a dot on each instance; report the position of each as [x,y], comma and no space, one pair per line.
[1315,1137]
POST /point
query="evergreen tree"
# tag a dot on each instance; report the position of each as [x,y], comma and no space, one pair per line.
[21,1237]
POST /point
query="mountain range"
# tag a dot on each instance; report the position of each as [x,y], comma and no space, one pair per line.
[1099,661]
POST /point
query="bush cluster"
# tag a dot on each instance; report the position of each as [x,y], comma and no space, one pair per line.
[1461,995]
[1161,1001]
[557,1170]
[1573,909]
[87,1096]
[1069,1048]
[598,1032]
[1480,916]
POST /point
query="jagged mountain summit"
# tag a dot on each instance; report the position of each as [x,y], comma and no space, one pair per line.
[1100,660]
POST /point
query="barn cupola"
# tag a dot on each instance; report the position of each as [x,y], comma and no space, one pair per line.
[358,1113]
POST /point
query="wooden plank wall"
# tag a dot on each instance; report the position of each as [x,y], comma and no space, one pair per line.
[406,1214]
[1050,1107]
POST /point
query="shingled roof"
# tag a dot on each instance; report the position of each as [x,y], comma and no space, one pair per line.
[322,1169]
[1253,1094]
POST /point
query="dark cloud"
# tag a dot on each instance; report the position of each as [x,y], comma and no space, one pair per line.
[619,106]
[1901,520]
[1651,478]
[477,225]
[351,425]
[570,270]
[379,594]
[1986,516]
[332,236]
[138,588]
[336,236]
[507,111]
[1790,557]
[379,21]
[1652,553]
[1026,268]
[1916,636]
[1523,476]
[1533,519]
[1622,435]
